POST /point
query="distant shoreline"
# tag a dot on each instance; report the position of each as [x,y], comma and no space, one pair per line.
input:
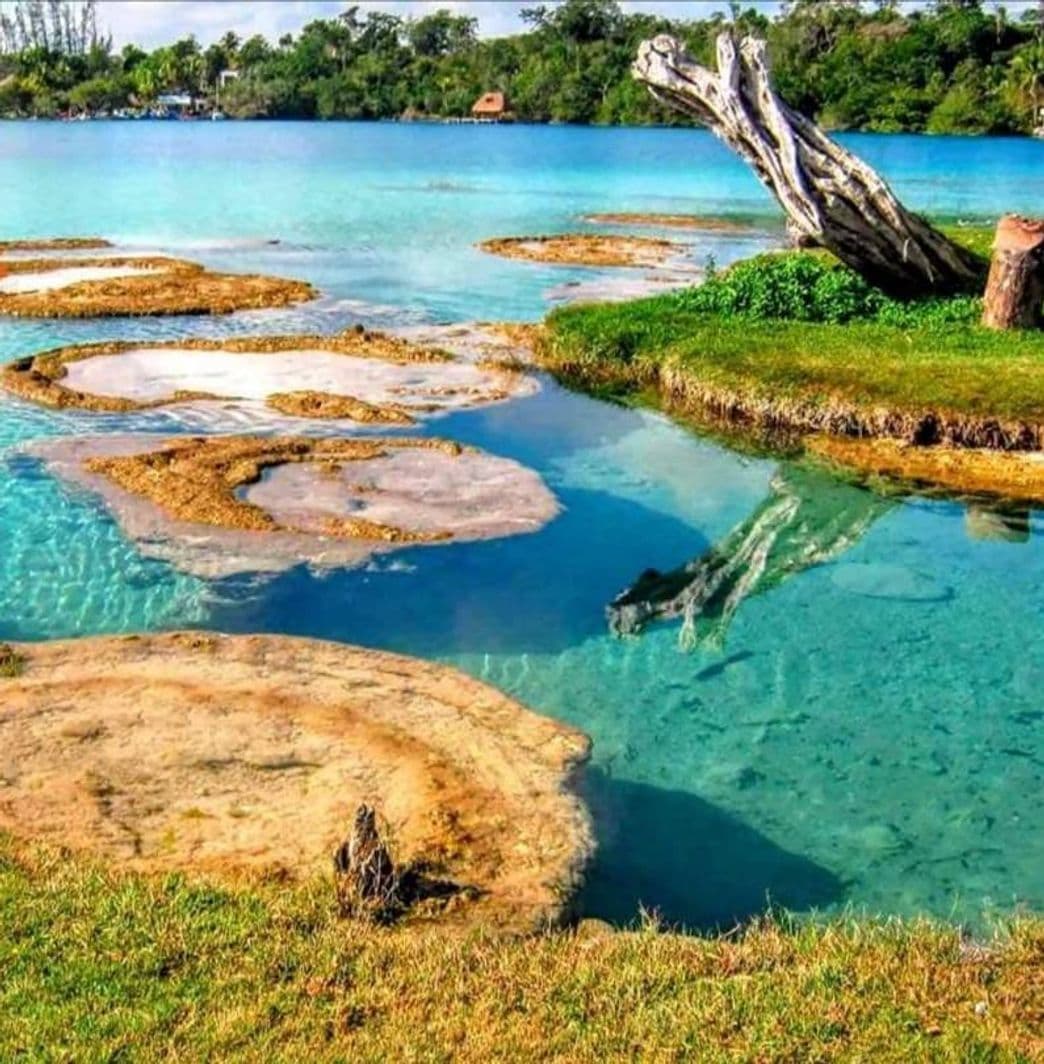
[660,127]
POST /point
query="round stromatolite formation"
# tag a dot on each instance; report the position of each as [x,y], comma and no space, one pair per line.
[362,376]
[588,249]
[221,505]
[126,285]
[232,756]
[645,220]
[57,243]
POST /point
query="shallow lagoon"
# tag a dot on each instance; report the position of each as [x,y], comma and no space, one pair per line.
[867,732]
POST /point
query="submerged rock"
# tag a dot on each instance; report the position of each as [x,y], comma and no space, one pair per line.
[883,580]
[215,506]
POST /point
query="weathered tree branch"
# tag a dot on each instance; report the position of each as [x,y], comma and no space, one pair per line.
[830,196]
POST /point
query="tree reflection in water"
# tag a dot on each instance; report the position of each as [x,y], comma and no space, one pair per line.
[809,518]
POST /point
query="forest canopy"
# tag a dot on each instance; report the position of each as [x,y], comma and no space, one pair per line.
[951,66]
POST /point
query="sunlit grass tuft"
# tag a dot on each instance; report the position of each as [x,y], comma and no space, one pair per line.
[794,336]
[97,966]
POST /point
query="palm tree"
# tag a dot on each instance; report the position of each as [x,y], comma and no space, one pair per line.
[146,83]
[230,42]
[1026,74]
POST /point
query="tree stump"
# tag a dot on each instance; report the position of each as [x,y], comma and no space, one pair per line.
[367,880]
[831,197]
[1015,289]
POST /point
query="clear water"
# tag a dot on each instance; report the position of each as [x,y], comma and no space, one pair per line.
[863,733]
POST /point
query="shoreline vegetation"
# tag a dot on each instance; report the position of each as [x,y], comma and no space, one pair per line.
[116,954]
[103,963]
[798,351]
[136,923]
[950,67]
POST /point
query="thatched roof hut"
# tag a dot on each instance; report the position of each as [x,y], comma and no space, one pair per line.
[489,105]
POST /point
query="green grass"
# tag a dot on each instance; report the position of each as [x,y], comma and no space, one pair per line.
[12,664]
[967,370]
[978,238]
[95,966]
[796,330]
[814,287]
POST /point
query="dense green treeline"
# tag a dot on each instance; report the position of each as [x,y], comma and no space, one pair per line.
[950,66]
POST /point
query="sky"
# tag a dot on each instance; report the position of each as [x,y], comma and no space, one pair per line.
[153,22]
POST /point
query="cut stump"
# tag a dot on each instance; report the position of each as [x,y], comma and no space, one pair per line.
[366,877]
[1015,290]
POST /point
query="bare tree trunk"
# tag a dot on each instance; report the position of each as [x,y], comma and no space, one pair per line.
[1015,289]
[831,197]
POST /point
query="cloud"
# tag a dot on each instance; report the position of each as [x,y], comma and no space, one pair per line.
[150,23]
[153,22]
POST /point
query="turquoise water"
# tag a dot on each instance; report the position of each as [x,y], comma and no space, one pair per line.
[865,732]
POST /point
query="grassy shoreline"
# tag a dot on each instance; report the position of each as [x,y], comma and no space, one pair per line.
[971,388]
[793,345]
[97,965]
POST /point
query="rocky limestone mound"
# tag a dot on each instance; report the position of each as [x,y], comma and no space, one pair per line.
[231,757]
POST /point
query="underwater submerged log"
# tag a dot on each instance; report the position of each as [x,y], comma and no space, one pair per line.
[831,197]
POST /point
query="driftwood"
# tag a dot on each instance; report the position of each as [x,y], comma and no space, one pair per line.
[831,197]
[372,886]
[1015,290]
[368,884]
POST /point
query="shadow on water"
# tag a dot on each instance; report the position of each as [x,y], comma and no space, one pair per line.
[536,593]
[696,866]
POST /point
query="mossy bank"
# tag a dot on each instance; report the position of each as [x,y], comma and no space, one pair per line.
[795,345]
